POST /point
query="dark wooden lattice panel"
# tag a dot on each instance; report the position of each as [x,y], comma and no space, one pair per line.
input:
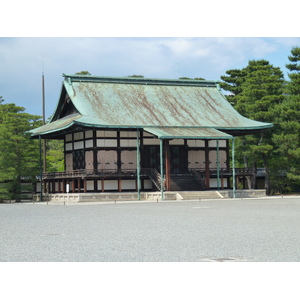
[78,160]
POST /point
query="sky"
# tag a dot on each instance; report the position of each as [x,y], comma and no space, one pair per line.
[23,60]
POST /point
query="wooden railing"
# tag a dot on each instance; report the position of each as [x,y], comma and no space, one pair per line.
[150,173]
[155,178]
[199,176]
[98,173]
[224,171]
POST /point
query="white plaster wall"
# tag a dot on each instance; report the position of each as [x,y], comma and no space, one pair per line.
[128,184]
[147,184]
[110,185]
[214,184]
[90,185]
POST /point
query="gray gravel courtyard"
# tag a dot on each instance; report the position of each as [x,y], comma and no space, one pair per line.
[253,230]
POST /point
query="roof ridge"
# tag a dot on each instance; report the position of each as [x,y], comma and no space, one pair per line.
[141,80]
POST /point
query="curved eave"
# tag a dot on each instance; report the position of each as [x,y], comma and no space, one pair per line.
[55,129]
[238,131]
[59,128]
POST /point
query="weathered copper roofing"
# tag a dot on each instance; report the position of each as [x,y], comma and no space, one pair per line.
[128,102]
[187,133]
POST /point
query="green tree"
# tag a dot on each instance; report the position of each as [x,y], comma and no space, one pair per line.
[55,156]
[293,87]
[19,155]
[87,73]
[233,83]
[136,76]
[288,117]
[256,90]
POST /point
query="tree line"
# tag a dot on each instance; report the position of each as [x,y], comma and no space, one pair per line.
[258,91]
[20,155]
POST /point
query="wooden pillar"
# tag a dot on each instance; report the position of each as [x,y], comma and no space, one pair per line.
[207,165]
[63,186]
[138,163]
[102,185]
[45,186]
[95,150]
[233,170]
[167,158]
[58,183]
[119,184]
[84,185]
[119,159]
[73,186]
[222,182]
[161,169]
[79,185]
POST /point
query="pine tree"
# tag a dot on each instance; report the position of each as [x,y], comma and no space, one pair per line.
[19,156]
[257,89]
[288,117]
[233,83]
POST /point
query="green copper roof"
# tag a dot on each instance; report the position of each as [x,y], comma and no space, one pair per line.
[128,102]
[187,133]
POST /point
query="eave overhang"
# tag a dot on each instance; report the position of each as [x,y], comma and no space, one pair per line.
[130,103]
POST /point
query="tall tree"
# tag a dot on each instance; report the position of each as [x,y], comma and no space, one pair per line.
[19,156]
[257,89]
[288,117]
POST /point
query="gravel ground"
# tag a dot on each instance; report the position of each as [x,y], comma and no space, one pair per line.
[255,230]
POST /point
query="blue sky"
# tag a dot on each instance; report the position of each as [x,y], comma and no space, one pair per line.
[23,60]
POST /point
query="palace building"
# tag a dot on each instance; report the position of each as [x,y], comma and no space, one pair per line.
[138,134]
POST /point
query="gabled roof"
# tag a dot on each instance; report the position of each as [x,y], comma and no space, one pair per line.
[129,102]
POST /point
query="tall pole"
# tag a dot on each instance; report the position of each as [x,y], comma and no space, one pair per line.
[138,163]
[41,170]
[161,169]
[233,171]
[44,121]
[218,165]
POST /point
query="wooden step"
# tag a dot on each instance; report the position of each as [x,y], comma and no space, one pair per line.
[185,182]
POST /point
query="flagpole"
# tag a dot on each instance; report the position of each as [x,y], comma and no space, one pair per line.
[44,121]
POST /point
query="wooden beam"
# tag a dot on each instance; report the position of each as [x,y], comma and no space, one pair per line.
[207,165]
[168,168]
